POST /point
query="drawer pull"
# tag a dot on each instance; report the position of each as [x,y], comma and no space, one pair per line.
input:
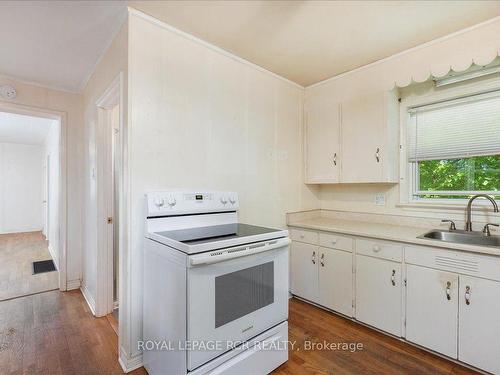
[313,257]
[467,295]
[393,278]
[376,248]
[302,235]
[448,291]
[322,260]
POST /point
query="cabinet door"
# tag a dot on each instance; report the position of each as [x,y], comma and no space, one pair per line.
[370,138]
[378,293]
[479,323]
[432,309]
[304,270]
[335,280]
[322,142]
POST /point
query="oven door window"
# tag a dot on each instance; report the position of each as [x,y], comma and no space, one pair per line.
[242,292]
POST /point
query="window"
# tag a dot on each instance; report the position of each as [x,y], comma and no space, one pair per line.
[454,148]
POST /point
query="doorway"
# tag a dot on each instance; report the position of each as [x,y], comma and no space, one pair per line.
[30,248]
[109,146]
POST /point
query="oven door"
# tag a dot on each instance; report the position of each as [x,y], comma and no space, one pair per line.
[235,299]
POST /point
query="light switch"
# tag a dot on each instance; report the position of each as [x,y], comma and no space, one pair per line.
[380,199]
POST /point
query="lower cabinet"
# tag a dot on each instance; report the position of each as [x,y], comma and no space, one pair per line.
[479,323]
[335,280]
[432,309]
[323,276]
[446,309]
[379,293]
[304,270]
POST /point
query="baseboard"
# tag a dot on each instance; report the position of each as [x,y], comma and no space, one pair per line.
[73,284]
[129,364]
[88,297]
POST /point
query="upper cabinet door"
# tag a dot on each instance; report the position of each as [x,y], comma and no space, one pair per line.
[322,142]
[370,138]
[479,323]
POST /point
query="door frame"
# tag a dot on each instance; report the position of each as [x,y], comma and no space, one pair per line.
[62,118]
[112,96]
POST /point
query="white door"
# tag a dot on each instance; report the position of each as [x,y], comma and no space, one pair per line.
[335,280]
[479,323]
[432,309]
[379,293]
[363,133]
[322,143]
[304,270]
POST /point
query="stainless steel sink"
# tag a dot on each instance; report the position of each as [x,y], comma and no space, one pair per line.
[462,237]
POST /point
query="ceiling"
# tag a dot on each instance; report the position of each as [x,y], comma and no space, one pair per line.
[22,129]
[309,41]
[56,43]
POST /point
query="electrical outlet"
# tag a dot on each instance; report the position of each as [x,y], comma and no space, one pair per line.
[380,199]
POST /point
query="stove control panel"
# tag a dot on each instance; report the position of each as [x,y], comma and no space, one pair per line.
[169,203]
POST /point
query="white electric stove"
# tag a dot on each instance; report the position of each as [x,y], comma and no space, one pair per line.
[215,290]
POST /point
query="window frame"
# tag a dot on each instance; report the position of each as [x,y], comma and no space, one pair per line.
[408,182]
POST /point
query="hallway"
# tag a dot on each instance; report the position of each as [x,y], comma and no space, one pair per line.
[18,251]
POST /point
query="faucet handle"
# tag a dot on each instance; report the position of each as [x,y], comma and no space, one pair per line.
[486,228]
[452,224]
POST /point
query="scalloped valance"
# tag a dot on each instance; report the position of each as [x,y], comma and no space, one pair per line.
[460,63]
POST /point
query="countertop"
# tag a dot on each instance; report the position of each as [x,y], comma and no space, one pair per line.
[390,232]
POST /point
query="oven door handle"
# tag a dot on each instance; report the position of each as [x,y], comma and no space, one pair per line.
[237,252]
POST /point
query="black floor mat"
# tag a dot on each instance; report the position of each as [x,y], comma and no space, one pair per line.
[43,266]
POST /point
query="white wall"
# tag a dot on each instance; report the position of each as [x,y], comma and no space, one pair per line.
[109,67]
[201,119]
[21,194]
[51,150]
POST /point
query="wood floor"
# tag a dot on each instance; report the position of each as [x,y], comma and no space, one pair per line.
[380,355]
[55,333]
[17,253]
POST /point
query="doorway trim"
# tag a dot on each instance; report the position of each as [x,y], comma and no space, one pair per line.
[112,96]
[62,117]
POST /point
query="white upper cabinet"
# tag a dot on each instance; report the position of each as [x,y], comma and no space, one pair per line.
[322,142]
[355,141]
[370,138]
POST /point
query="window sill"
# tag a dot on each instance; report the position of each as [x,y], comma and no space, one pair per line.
[480,207]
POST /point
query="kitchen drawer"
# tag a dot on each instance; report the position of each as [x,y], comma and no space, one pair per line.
[462,262]
[380,249]
[301,235]
[335,241]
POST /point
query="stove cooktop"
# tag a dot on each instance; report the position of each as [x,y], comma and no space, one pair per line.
[214,233]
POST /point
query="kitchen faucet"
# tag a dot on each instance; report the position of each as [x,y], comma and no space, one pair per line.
[468,224]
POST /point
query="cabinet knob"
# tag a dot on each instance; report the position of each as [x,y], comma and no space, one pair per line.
[334,241]
[376,248]
[467,295]
[448,290]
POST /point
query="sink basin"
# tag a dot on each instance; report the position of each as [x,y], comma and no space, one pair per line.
[462,237]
